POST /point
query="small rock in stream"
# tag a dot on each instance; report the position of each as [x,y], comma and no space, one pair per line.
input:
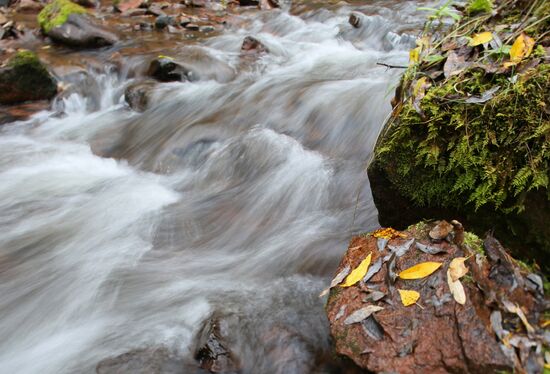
[163,21]
[355,19]
[166,69]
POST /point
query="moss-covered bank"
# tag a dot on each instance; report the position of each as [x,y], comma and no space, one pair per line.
[470,132]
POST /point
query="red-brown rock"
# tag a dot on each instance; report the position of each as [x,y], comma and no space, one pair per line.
[437,335]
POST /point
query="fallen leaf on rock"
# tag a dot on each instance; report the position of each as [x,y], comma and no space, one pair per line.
[374,296]
[522,48]
[387,233]
[496,324]
[375,268]
[337,280]
[481,38]
[516,309]
[361,314]
[419,271]
[454,64]
[391,275]
[408,297]
[457,269]
[373,328]
[358,273]
[414,55]
[457,289]
[400,250]
[535,281]
[340,313]
[429,249]
[441,230]
[485,96]
[381,243]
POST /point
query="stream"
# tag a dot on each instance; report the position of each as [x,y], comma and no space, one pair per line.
[233,195]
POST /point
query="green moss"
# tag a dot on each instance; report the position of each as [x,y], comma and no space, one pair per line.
[473,242]
[56,13]
[25,58]
[458,153]
[479,6]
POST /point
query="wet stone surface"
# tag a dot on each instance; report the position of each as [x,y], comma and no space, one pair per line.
[436,334]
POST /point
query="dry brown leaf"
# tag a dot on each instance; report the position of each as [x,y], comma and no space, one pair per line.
[420,270]
[408,297]
[358,273]
[337,280]
[361,314]
[457,289]
[457,269]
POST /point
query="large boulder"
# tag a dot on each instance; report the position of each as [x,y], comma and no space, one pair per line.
[493,325]
[68,23]
[25,78]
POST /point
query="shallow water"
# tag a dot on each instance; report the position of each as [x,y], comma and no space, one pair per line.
[235,194]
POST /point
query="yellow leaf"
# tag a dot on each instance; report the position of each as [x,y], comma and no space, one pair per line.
[414,55]
[358,273]
[481,38]
[521,48]
[387,233]
[408,297]
[457,269]
[420,270]
[457,290]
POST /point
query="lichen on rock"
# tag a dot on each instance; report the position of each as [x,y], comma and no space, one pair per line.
[57,12]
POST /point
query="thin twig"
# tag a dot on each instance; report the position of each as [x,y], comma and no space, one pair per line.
[391,66]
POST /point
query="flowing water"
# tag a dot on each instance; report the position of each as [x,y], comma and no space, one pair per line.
[234,195]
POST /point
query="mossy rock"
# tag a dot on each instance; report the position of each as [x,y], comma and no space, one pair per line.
[486,164]
[56,14]
[25,78]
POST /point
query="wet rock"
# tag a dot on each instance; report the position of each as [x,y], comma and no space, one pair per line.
[285,350]
[437,334]
[68,23]
[29,6]
[134,12]
[126,5]
[441,231]
[195,3]
[138,95]
[21,112]
[251,44]
[206,28]
[25,78]
[166,69]
[155,10]
[355,19]
[88,3]
[269,4]
[212,350]
[249,2]
[163,21]
[192,27]
[144,361]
